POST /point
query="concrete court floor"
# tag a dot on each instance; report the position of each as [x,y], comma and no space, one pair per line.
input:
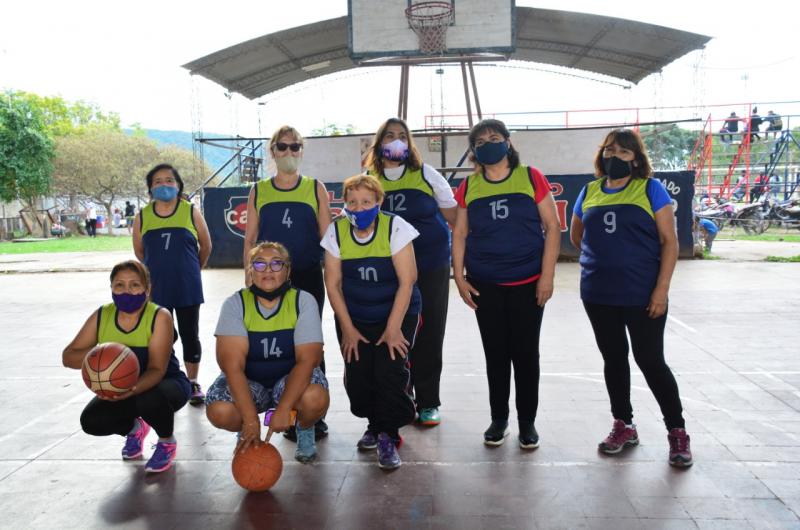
[732,341]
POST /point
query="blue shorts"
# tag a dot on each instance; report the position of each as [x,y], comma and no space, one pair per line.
[264,398]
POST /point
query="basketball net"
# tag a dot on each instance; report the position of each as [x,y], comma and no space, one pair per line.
[429,20]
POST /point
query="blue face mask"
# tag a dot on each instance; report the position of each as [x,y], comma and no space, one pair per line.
[164,193]
[362,219]
[491,152]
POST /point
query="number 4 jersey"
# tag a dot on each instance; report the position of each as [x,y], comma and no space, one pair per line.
[172,255]
[290,217]
[621,248]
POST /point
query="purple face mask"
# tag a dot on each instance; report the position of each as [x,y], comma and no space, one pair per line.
[396,150]
[129,303]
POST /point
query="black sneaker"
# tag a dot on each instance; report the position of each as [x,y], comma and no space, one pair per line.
[290,434]
[528,437]
[496,433]
[320,429]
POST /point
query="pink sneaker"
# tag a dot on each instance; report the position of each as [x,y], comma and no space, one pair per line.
[680,454]
[619,437]
[134,443]
[162,458]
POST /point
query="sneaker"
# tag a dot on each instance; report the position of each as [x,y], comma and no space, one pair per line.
[388,457]
[162,458]
[197,397]
[306,445]
[134,443]
[496,433]
[620,436]
[368,441]
[320,429]
[680,454]
[290,434]
[430,416]
[528,437]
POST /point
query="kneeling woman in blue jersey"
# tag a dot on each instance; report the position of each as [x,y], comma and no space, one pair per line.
[624,226]
[507,236]
[370,276]
[269,346]
[162,388]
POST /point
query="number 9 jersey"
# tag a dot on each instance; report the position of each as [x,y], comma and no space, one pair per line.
[621,249]
[172,255]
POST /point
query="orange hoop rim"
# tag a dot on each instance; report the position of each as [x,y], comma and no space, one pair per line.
[420,18]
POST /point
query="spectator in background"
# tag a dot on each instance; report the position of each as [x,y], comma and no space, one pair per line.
[775,187]
[91,220]
[116,219]
[731,125]
[753,125]
[130,214]
[759,187]
[775,123]
[741,187]
[709,230]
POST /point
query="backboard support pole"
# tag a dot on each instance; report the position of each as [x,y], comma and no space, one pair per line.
[475,92]
[466,92]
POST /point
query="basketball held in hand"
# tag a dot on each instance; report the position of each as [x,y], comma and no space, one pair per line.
[257,468]
[110,369]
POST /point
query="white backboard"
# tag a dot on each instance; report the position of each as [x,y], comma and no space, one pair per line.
[379,28]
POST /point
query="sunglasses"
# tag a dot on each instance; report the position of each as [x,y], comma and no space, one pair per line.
[295,147]
[275,265]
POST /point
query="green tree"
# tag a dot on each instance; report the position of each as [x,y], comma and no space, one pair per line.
[26,153]
[102,166]
[334,129]
[62,118]
[669,147]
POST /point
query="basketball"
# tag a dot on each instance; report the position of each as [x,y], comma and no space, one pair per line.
[258,468]
[110,369]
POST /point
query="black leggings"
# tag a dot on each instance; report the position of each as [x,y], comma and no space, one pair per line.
[189,329]
[510,320]
[376,385]
[311,281]
[156,406]
[426,357]
[647,341]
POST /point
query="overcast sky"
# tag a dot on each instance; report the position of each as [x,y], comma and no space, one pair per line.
[127,57]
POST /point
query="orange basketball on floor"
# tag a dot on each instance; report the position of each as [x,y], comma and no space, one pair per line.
[110,369]
[258,468]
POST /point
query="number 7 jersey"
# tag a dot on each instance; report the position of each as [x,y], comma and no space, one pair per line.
[172,255]
[290,217]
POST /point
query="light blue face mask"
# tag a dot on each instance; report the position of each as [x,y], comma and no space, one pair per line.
[362,219]
[164,193]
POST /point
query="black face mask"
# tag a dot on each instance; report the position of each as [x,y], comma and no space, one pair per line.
[271,295]
[616,168]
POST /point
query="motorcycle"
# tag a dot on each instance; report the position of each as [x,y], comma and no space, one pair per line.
[785,213]
[752,218]
[719,213]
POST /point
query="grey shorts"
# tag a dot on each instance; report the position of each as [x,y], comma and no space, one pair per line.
[264,398]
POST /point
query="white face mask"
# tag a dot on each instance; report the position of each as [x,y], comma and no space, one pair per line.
[288,164]
[393,173]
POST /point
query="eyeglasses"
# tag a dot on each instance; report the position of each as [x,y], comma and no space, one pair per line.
[295,147]
[275,265]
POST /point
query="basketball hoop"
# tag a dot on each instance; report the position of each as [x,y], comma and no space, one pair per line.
[429,20]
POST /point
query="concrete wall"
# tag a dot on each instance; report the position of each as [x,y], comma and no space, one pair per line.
[557,152]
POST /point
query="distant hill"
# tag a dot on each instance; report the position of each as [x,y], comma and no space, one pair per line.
[213,156]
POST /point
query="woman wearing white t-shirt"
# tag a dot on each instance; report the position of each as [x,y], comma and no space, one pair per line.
[422,196]
[370,276]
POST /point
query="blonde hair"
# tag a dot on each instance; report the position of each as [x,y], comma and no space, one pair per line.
[282,251]
[365,181]
[285,129]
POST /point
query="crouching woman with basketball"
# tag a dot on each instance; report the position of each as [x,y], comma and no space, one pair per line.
[269,347]
[162,388]
[370,275]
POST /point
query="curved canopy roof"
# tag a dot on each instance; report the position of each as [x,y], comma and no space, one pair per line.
[615,47]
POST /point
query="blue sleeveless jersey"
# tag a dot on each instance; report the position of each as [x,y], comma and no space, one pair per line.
[621,248]
[271,353]
[369,281]
[412,198]
[290,217]
[172,255]
[138,340]
[505,242]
